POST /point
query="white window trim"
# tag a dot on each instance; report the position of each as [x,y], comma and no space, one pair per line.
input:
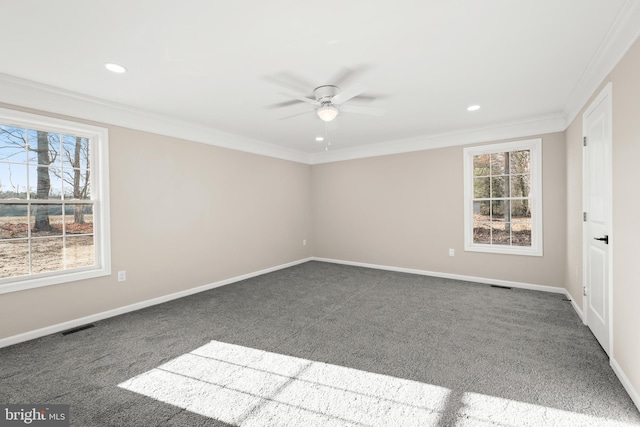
[535,145]
[99,138]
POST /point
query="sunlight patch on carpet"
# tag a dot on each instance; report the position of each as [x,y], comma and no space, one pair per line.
[480,410]
[250,387]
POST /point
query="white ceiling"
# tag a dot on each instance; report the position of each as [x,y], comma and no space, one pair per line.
[210,66]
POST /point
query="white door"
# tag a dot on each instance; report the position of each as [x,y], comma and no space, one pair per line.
[597,226]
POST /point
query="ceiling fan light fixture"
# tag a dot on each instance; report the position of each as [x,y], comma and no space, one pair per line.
[327,112]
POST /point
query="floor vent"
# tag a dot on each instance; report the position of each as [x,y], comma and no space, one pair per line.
[78,329]
[500,287]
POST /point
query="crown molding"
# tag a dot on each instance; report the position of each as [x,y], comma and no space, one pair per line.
[621,36]
[518,129]
[29,94]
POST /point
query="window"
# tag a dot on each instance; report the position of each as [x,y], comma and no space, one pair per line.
[503,198]
[54,201]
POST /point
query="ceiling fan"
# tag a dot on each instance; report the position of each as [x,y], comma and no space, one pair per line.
[329,100]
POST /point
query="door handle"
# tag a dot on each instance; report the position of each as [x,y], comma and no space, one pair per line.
[604,239]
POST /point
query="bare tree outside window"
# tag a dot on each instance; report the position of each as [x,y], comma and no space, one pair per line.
[41,212]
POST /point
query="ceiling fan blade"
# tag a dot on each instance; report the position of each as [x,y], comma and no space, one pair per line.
[296,115]
[290,81]
[347,94]
[370,97]
[301,98]
[284,104]
[345,75]
[363,110]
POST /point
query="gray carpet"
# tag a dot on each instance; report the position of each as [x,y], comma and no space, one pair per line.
[325,344]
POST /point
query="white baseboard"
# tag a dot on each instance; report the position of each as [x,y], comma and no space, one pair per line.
[633,393]
[48,330]
[498,282]
[577,309]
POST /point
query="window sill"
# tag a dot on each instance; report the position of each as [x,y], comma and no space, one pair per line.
[504,250]
[16,284]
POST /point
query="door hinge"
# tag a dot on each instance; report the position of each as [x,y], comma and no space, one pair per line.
[584,216]
[584,291]
[584,141]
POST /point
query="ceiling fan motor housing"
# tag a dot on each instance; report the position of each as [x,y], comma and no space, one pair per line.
[325,93]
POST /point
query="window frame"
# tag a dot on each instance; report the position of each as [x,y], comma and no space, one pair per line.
[98,138]
[535,197]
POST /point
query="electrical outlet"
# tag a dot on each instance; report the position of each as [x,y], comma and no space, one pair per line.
[122,275]
[452,252]
[304,242]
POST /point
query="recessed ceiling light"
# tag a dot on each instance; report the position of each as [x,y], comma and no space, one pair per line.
[473,108]
[115,68]
[319,138]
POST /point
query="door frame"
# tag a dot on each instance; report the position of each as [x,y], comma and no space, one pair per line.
[603,97]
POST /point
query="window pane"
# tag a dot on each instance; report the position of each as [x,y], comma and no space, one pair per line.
[497,163]
[32,145]
[500,210]
[13,221]
[13,181]
[79,251]
[481,165]
[501,233]
[481,188]
[14,258]
[520,210]
[519,161]
[45,183]
[44,148]
[46,255]
[75,152]
[522,233]
[520,185]
[55,179]
[497,210]
[76,184]
[500,186]
[46,220]
[13,144]
[55,153]
[79,219]
[482,210]
[521,222]
[481,232]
